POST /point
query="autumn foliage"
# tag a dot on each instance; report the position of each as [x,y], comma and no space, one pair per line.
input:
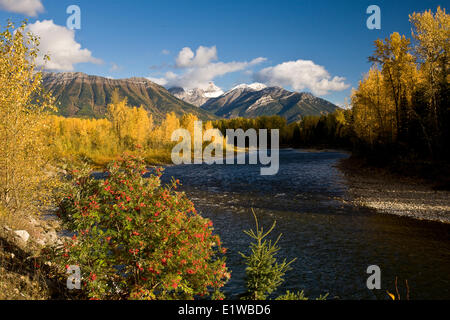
[25,182]
[137,239]
[402,103]
[125,127]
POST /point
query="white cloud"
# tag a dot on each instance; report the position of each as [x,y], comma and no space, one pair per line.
[204,56]
[27,7]
[165,52]
[59,43]
[200,68]
[300,75]
[160,81]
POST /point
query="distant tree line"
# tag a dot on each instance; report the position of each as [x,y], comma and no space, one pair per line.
[327,130]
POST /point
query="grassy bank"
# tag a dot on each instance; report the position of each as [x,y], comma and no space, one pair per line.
[153,157]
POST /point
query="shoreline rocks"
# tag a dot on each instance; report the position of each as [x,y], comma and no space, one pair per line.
[388,193]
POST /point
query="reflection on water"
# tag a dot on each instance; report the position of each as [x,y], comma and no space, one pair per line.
[334,242]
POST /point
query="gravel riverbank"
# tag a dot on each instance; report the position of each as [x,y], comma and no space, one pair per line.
[392,194]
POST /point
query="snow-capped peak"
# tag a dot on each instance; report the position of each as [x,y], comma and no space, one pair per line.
[253,87]
[212,91]
[198,96]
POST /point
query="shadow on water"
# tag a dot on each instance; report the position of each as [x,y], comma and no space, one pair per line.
[334,242]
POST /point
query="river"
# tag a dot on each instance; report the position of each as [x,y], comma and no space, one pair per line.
[333,241]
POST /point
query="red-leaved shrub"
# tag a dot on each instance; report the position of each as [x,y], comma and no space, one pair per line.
[138,239]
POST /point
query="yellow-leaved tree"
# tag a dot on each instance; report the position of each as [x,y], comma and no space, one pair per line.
[373,110]
[131,126]
[431,34]
[24,176]
[399,72]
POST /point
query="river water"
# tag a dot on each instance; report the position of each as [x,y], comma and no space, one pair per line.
[334,242]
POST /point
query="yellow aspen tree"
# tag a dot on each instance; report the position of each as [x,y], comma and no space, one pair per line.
[188,123]
[398,68]
[24,155]
[116,113]
[431,32]
[144,125]
[169,125]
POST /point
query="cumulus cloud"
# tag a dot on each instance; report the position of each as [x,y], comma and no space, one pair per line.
[161,81]
[200,68]
[301,75]
[27,7]
[59,43]
[203,57]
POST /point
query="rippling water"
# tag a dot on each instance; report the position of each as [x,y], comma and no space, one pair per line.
[334,242]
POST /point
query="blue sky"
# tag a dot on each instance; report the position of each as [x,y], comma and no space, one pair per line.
[243,41]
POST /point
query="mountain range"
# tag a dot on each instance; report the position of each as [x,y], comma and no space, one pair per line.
[250,101]
[81,95]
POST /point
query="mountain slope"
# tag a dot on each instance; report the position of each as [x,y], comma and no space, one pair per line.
[81,95]
[250,102]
